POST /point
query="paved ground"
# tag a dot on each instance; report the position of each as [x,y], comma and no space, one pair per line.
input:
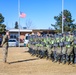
[20,62]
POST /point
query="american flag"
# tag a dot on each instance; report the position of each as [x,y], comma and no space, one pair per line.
[22,15]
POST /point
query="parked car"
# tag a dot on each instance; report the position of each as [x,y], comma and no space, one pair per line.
[26,40]
[13,43]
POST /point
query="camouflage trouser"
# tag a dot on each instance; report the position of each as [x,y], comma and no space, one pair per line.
[49,51]
[75,50]
[55,53]
[37,51]
[31,49]
[74,54]
[63,59]
[59,54]
[43,52]
[5,52]
[34,50]
[52,53]
[69,54]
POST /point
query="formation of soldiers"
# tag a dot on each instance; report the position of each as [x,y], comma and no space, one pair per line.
[58,47]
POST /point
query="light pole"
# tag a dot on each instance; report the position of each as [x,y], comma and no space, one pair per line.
[62,16]
[19,21]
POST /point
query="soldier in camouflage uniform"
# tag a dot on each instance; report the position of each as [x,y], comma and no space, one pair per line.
[5,46]
[51,53]
[56,50]
[60,48]
[34,45]
[45,46]
[40,46]
[30,44]
[63,49]
[69,49]
[48,47]
[74,44]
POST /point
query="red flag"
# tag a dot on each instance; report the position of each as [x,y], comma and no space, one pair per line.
[22,15]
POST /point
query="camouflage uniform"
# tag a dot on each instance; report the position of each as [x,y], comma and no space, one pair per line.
[30,46]
[60,48]
[45,47]
[5,47]
[69,49]
[74,44]
[34,46]
[63,50]
[41,52]
[48,47]
[52,48]
[56,49]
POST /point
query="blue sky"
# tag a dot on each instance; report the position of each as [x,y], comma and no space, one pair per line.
[40,12]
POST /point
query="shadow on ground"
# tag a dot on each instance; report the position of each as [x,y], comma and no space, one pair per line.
[19,61]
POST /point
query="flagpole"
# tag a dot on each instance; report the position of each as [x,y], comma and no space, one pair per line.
[19,21]
[62,15]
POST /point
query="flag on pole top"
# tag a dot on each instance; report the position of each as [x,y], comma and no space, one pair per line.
[22,15]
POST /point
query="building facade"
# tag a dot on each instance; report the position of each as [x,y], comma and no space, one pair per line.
[20,33]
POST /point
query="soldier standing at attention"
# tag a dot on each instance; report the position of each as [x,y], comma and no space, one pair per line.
[69,49]
[5,46]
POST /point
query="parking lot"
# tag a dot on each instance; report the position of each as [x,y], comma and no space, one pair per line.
[20,62]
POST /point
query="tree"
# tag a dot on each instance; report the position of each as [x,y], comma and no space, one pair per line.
[16,25]
[68,22]
[28,24]
[2,26]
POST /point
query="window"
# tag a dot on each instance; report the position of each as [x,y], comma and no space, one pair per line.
[14,36]
[11,36]
[12,41]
